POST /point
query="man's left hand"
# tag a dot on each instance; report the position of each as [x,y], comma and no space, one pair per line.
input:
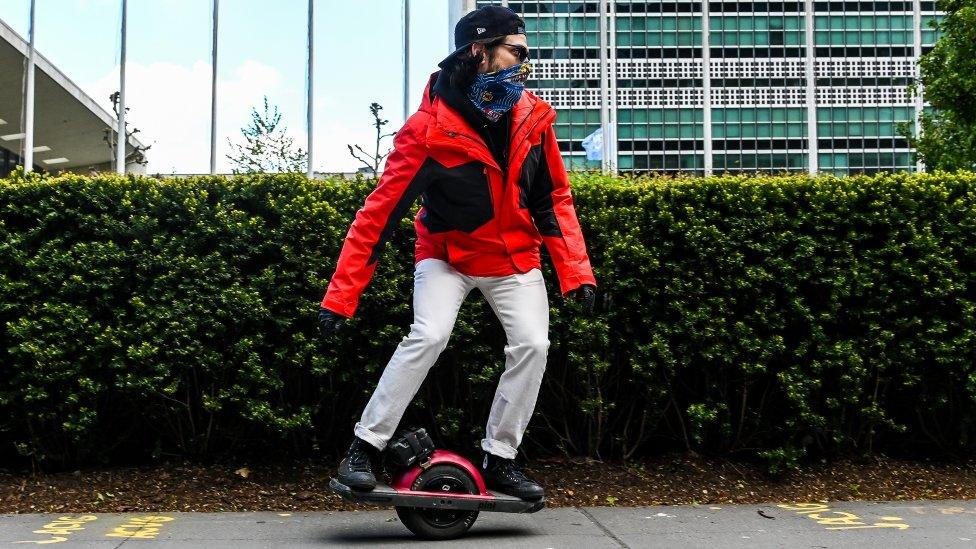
[585,295]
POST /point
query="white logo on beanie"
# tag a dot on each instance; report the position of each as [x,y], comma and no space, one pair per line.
[481,30]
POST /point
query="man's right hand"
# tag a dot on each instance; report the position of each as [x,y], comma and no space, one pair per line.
[329,322]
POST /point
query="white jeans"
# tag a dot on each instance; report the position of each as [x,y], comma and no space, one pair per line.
[522,306]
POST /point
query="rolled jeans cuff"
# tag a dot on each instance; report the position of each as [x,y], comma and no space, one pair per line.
[369,436]
[498,448]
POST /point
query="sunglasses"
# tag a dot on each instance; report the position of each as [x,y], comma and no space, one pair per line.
[520,51]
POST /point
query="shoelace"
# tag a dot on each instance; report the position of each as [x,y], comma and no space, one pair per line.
[359,459]
[510,471]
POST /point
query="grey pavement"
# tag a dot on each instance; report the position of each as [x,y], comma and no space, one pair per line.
[928,524]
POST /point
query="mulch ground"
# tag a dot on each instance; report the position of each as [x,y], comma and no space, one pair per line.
[668,480]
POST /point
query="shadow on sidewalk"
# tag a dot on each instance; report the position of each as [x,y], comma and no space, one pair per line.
[355,535]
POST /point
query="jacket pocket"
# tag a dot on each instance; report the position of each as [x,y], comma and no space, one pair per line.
[458,198]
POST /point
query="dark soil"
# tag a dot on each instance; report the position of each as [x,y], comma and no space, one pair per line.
[668,480]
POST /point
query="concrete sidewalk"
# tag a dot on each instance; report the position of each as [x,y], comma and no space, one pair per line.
[890,525]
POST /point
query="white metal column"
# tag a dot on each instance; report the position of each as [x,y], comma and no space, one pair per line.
[309,170]
[406,60]
[811,96]
[706,90]
[213,89]
[28,156]
[612,91]
[919,101]
[604,89]
[122,140]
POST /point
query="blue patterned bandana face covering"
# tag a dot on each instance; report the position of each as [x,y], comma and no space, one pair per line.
[494,93]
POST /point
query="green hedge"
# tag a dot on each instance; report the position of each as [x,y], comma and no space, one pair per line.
[770,317]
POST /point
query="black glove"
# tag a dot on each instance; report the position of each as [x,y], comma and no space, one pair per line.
[329,322]
[585,295]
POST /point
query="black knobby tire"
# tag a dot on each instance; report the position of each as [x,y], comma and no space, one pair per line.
[440,523]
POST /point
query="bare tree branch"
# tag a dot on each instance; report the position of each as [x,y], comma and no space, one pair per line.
[376,157]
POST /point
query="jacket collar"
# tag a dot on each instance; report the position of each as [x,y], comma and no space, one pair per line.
[449,129]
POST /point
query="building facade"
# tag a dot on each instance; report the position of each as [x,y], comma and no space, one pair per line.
[731,86]
[71,131]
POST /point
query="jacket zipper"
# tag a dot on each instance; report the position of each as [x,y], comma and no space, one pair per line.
[491,193]
[466,136]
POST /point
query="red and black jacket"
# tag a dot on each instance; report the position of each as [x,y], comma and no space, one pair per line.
[481,219]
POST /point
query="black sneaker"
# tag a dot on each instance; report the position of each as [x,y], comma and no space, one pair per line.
[505,476]
[356,469]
